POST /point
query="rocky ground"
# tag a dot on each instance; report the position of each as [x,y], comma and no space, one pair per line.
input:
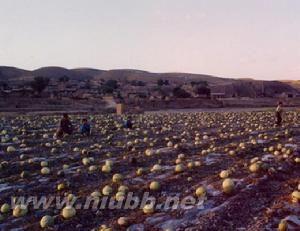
[179,151]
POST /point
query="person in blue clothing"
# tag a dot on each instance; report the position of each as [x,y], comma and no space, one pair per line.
[128,123]
[85,127]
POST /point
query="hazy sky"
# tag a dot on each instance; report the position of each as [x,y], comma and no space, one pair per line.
[230,38]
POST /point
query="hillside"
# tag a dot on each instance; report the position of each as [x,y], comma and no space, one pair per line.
[87,71]
[57,72]
[125,74]
[241,87]
[12,73]
[294,83]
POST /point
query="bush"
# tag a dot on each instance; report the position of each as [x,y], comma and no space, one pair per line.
[109,86]
[203,91]
[39,84]
[3,85]
[137,83]
[162,82]
[178,92]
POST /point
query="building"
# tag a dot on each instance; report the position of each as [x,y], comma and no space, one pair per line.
[286,95]
[217,95]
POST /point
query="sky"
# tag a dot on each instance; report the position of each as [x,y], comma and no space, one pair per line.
[230,38]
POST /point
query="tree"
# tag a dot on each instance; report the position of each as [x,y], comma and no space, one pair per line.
[137,83]
[88,84]
[119,96]
[3,85]
[201,83]
[39,84]
[161,82]
[112,83]
[203,91]
[141,83]
[64,79]
[178,92]
[109,86]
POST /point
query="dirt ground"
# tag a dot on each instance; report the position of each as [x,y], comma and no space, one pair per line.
[259,200]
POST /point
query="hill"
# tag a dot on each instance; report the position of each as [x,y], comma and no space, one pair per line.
[240,87]
[57,72]
[294,83]
[91,72]
[12,73]
[52,72]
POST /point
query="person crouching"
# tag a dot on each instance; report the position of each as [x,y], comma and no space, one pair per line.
[65,126]
[85,127]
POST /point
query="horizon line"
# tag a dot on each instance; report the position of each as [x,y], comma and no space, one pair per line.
[154,72]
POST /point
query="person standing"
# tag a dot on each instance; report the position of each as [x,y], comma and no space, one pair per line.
[278,114]
[128,123]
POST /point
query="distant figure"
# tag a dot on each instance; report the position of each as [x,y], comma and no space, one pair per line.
[65,126]
[85,128]
[278,114]
[128,123]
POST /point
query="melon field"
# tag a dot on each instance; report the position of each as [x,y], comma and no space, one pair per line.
[242,171]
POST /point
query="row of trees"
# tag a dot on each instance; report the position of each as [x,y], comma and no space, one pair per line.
[109,86]
[40,83]
[162,82]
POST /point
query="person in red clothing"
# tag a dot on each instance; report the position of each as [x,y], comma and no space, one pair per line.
[65,126]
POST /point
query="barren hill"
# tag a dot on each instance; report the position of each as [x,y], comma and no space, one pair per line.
[241,87]
[12,73]
[57,72]
[293,83]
